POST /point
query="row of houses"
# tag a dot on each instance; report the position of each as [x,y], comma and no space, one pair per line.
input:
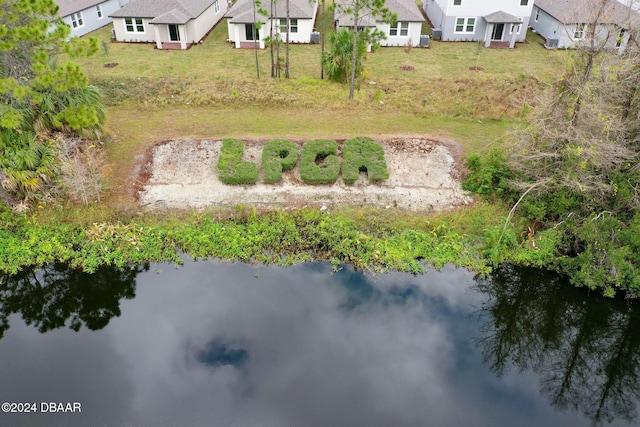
[181,23]
[562,23]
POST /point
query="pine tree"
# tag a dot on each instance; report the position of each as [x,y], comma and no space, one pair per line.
[38,93]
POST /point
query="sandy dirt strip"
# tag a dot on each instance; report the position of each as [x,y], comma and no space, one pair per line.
[424,176]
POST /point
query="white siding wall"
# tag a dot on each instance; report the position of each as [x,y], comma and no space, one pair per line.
[198,28]
[443,14]
[123,36]
[483,7]
[415,28]
[90,19]
[550,28]
[237,32]
[231,29]
[305,28]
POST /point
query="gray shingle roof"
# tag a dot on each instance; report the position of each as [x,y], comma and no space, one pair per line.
[501,17]
[178,9]
[407,11]
[242,11]
[67,7]
[584,11]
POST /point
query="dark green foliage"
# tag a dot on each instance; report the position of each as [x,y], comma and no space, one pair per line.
[78,110]
[363,154]
[278,155]
[38,94]
[26,161]
[487,175]
[231,168]
[319,163]
[337,62]
[602,253]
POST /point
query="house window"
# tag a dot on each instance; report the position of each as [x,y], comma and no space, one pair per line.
[579,31]
[465,25]
[216,6]
[537,15]
[403,26]
[293,25]
[524,2]
[457,2]
[134,25]
[76,20]
[515,27]
[99,11]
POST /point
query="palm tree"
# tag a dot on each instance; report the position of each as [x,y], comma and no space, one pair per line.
[337,62]
[27,163]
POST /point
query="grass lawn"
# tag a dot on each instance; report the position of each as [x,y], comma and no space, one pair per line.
[212,91]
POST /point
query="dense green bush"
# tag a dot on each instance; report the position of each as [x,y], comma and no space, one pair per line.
[231,168]
[278,155]
[487,175]
[363,154]
[319,164]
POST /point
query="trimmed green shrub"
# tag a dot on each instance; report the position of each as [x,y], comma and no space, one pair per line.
[278,155]
[363,154]
[319,164]
[231,168]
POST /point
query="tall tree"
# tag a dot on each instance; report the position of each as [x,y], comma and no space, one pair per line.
[257,6]
[272,35]
[322,35]
[39,93]
[358,11]
[286,48]
[576,167]
[30,36]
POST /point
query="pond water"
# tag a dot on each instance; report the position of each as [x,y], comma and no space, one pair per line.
[229,344]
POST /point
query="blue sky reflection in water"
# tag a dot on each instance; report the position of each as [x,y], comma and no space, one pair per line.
[227,344]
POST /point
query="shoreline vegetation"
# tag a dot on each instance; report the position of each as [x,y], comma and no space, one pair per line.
[373,239]
[211,91]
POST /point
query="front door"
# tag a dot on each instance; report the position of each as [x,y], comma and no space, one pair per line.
[174,33]
[498,29]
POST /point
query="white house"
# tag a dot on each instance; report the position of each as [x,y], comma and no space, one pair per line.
[84,16]
[494,22]
[242,29]
[406,31]
[567,23]
[170,24]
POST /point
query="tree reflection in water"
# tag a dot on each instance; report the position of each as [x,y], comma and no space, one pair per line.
[585,348]
[55,296]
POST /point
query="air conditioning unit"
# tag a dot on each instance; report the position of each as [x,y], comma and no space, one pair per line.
[424,40]
[551,43]
[315,37]
[436,34]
